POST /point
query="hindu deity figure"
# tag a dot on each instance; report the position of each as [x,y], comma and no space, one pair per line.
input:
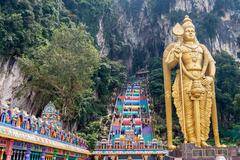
[27,125]
[8,120]
[193,89]
[42,130]
[35,127]
[18,123]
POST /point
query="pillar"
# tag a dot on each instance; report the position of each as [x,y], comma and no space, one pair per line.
[21,153]
[37,157]
[96,157]
[66,156]
[9,149]
[31,156]
[145,157]
[112,157]
[43,154]
[1,153]
[14,154]
[160,156]
[55,154]
[28,152]
[49,157]
[18,152]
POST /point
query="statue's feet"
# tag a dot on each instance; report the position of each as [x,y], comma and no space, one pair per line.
[204,144]
[192,140]
[221,145]
[197,145]
[171,147]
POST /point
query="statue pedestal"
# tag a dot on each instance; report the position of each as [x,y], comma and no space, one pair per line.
[190,152]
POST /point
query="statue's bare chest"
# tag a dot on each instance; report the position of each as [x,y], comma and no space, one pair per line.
[192,57]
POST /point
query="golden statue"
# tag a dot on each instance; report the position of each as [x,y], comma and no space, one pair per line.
[193,89]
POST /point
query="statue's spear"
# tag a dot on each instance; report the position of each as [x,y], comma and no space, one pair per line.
[178,31]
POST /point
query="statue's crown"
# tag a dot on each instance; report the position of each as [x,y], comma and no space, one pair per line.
[187,22]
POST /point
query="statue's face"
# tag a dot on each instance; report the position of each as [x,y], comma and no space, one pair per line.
[189,34]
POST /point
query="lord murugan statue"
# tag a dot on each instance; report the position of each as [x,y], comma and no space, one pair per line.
[193,89]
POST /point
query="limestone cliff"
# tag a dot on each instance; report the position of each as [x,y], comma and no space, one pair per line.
[10,79]
[11,83]
[143,27]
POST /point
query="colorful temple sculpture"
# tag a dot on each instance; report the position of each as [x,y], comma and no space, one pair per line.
[25,137]
[131,133]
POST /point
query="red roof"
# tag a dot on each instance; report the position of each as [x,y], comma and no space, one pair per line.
[132,98]
[126,121]
[137,121]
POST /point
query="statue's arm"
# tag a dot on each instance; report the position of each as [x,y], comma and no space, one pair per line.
[171,58]
[211,68]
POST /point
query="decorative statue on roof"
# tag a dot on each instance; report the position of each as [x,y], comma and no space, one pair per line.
[193,89]
[49,112]
[51,116]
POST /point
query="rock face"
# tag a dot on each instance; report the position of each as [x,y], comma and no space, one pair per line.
[10,78]
[143,28]
[11,82]
[100,39]
[197,5]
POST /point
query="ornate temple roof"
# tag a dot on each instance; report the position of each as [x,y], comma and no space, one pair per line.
[18,125]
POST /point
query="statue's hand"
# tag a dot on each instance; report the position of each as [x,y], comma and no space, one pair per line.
[177,52]
[207,80]
[171,147]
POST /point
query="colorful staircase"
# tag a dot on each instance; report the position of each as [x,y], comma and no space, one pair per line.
[131,118]
[131,132]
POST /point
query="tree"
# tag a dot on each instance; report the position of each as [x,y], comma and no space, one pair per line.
[156,82]
[28,23]
[92,133]
[64,67]
[227,96]
[109,76]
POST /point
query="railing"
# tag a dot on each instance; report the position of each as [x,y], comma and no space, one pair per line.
[113,118]
[129,146]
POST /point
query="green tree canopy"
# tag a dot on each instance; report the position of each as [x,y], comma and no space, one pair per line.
[64,67]
[29,23]
[227,89]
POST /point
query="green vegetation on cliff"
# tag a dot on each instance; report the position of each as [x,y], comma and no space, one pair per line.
[25,24]
[228,97]
[63,68]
